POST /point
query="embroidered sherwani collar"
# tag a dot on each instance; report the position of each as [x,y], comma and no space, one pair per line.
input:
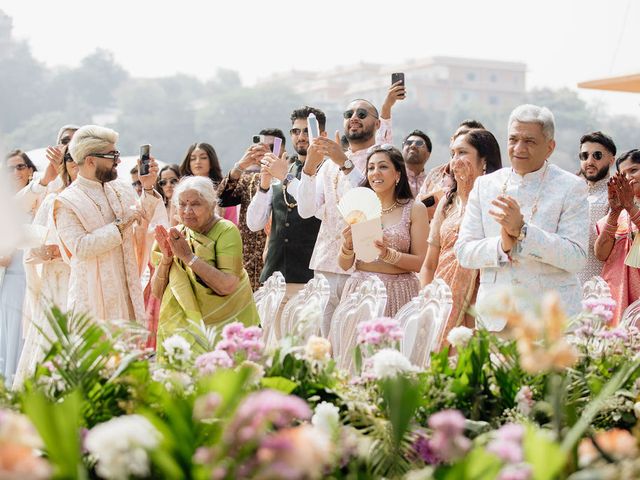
[599,186]
[93,184]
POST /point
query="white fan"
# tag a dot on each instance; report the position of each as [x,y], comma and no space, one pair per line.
[360,204]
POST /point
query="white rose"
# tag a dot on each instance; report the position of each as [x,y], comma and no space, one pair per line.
[317,348]
[177,349]
[120,446]
[389,363]
[460,336]
[326,418]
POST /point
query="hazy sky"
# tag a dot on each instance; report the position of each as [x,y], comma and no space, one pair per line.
[562,42]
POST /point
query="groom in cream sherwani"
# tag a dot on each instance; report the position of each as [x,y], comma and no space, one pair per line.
[527,225]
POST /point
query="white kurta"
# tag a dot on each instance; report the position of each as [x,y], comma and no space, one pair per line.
[555,246]
[105,275]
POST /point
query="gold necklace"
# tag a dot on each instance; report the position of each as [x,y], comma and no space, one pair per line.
[391,208]
[534,209]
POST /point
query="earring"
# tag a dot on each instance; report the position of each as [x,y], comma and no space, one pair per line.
[397,182]
[484,168]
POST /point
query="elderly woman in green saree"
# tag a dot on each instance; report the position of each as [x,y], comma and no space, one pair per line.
[199,273]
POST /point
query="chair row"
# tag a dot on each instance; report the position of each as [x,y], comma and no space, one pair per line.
[422,320]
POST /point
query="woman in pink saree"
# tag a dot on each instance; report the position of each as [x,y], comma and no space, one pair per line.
[618,244]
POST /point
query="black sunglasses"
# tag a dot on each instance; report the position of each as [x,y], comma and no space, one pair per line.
[65,140]
[136,184]
[417,143]
[164,182]
[361,113]
[584,156]
[109,156]
[297,131]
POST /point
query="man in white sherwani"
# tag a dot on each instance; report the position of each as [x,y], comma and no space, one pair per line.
[527,225]
[95,219]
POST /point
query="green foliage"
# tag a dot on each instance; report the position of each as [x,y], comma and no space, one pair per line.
[543,454]
[59,427]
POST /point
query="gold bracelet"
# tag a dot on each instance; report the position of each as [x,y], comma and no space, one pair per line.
[346,253]
[391,256]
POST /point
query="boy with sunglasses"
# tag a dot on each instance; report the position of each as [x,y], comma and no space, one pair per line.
[322,185]
[597,154]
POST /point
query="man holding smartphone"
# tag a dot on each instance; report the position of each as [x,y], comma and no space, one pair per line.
[238,188]
[292,237]
[322,185]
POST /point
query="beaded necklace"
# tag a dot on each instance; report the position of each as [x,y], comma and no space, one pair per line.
[534,209]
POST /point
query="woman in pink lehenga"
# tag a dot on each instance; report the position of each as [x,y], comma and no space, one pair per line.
[617,234]
[404,225]
[473,154]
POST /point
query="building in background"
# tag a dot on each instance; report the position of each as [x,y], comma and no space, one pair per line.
[436,83]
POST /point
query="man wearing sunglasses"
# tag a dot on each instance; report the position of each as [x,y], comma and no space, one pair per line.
[292,237]
[416,150]
[95,219]
[322,185]
[597,154]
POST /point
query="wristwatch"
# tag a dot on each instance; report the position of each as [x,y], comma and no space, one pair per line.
[348,165]
[263,190]
[287,180]
[523,232]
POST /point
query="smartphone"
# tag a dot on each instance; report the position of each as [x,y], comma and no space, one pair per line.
[145,151]
[397,77]
[429,201]
[258,139]
[277,145]
[313,126]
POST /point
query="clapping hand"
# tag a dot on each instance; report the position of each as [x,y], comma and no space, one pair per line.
[464,176]
[162,237]
[508,215]
[179,245]
[624,191]
[612,195]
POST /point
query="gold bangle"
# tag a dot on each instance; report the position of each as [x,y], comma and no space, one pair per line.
[391,256]
[346,253]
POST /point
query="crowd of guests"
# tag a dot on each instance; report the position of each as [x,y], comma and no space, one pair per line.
[185,243]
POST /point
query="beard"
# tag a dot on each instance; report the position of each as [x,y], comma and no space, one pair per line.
[302,151]
[105,175]
[600,174]
[413,158]
[362,135]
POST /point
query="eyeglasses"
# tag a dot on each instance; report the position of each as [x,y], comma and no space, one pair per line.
[361,113]
[20,167]
[297,131]
[172,181]
[136,184]
[584,156]
[417,143]
[109,156]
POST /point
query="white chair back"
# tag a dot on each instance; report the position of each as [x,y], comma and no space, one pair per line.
[268,299]
[423,320]
[595,287]
[303,313]
[366,303]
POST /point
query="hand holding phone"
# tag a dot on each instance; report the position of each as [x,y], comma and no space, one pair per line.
[313,126]
[398,77]
[145,151]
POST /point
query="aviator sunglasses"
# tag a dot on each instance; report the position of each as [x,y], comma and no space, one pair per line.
[164,182]
[361,113]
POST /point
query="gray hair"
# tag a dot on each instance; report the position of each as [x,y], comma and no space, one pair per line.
[203,186]
[534,114]
[66,128]
[90,139]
